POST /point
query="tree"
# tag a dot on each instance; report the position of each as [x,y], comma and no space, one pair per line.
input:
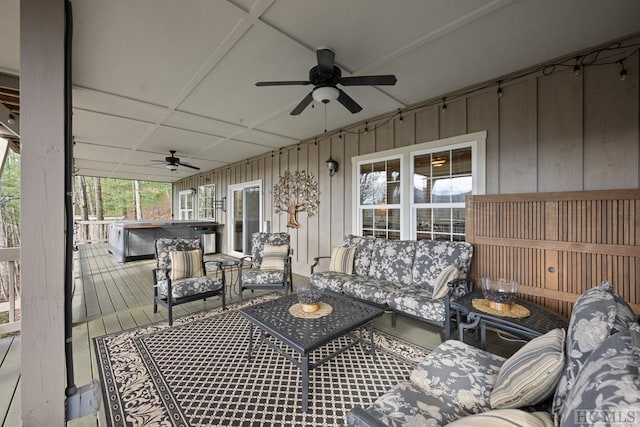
[297,192]
[136,195]
[99,204]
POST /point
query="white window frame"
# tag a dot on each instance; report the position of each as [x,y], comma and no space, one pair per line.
[184,212]
[212,207]
[230,205]
[360,208]
[476,140]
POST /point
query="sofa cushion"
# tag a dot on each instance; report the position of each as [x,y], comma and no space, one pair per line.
[407,405]
[273,257]
[330,280]
[186,264]
[364,249]
[449,273]
[595,316]
[608,384]
[417,302]
[531,374]
[505,418]
[376,291]
[392,260]
[188,287]
[433,256]
[258,276]
[460,375]
[342,259]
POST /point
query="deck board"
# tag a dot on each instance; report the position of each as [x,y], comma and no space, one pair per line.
[10,374]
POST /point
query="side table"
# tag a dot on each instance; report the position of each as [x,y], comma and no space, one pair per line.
[228,265]
[539,322]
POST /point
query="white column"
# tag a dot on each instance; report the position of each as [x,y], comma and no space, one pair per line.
[42,217]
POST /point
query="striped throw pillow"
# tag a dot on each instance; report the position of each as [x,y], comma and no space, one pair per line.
[273,257]
[440,287]
[531,374]
[342,259]
[505,418]
[186,264]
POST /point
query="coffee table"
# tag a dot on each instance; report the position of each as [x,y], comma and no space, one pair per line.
[539,322]
[304,336]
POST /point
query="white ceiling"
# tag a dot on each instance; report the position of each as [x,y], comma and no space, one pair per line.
[155,75]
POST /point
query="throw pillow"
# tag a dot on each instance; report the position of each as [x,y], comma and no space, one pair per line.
[505,418]
[440,287]
[273,257]
[342,259]
[607,389]
[531,374]
[186,264]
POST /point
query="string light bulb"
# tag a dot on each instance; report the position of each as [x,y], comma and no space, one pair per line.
[623,71]
[11,119]
[444,105]
[499,91]
[366,127]
[577,69]
[400,118]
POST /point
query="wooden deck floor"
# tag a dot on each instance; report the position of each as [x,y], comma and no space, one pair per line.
[110,297]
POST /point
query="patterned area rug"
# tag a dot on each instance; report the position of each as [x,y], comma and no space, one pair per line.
[197,374]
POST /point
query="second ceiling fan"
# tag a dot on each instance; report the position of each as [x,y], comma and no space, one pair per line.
[325,77]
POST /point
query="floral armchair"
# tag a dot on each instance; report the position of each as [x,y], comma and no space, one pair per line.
[181,276]
[270,263]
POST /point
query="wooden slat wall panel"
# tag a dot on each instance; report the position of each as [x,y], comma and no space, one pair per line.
[546,133]
[558,245]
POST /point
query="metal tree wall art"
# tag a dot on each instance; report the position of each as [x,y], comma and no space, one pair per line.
[296,192]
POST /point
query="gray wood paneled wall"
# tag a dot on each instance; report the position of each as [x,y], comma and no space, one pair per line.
[559,132]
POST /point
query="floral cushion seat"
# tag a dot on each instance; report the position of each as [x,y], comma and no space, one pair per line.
[330,280]
[419,303]
[453,381]
[187,287]
[264,277]
[376,291]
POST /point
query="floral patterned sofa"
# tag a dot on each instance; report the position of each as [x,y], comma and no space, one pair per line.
[399,275]
[589,378]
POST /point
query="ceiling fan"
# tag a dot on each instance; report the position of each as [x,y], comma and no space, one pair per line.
[325,77]
[172,162]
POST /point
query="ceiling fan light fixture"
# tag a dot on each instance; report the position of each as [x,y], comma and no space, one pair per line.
[325,94]
[172,167]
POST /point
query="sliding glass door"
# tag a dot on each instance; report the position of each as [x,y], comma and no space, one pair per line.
[245,216]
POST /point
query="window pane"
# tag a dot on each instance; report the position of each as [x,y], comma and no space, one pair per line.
[367,218]
[440,163]
[393,193]
[442,220]
[461,161]
[393,170]
[373,187]
[423,220]
[393,235]
[458,216]
[446,190]
[394,219]
[380,219]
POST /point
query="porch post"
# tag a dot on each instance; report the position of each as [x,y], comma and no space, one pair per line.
[42,211]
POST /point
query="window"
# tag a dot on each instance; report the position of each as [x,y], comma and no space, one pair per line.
[185,204]
[441,180]
[418,192]
[380,198]
[206,197]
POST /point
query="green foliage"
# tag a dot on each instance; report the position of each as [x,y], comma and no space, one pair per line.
[118,199]
[10,200]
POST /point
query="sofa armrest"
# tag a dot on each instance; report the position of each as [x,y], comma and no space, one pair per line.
[358,417]
[316,261]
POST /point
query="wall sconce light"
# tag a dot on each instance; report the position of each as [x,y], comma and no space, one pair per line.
[193,191]
[332,165]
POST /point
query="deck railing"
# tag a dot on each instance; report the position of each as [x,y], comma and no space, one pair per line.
[12,257]
[91,231]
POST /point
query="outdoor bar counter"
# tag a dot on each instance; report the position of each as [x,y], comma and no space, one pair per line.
[133,240]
